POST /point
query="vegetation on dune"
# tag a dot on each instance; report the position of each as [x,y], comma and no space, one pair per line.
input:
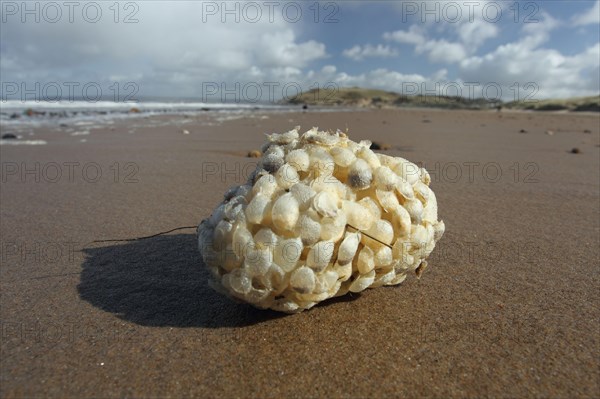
[576,104]
[373,98]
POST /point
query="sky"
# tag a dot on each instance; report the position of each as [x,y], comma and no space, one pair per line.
[268,50]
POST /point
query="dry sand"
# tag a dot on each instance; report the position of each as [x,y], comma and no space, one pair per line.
[509,306]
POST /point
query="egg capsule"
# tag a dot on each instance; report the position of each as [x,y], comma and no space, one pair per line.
[303,280]
[285,212]
[357,215]
[382,231]
[286,176]
[299,159]
[265,238]
[401,221]
[342,156]
[271,162]
[229,259]
[415,210]
[239,281]
[333,228]
[344,272]
[348,248]
[303,194]
[359,175]
[387,160]
[407,170]
[325,204]
[234,207]
[257,261]
[385,179]
[369,156]
[383,257]
[257,209]
[284,138]
[241,240]
[387,199]
[222,234]
[422,192]
[404,189]
[265,185]
[308,228]
[274,149]
[366,260]
[424,176]
[321,163]
[362,282]
[384,279]
[418,236]
[320,255]
[372,206]
[325,282]
[430,211]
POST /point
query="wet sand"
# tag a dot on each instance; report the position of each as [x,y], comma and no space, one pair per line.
[509,307]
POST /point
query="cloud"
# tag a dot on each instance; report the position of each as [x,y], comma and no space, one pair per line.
[442,51]
[591,16]
[174,59]
[474,34]
[379,78]
[414,35]
[546,71]
[468,29]
[358,53]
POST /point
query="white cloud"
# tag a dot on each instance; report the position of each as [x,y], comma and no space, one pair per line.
[414,35]
[463,32]
[380,78]
[474,34]
[526,62]
[442,51]
[359,53]
[170,51]
[591,16]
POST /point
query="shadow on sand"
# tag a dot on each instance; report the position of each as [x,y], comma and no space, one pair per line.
[162,281]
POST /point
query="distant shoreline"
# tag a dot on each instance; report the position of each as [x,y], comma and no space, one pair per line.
[371,98]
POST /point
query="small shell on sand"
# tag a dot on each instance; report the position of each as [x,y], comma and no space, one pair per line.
[254,154]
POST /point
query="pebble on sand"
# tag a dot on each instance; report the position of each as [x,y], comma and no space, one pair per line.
[575,150]
[254,154]
[380,146]
[549,132]
[185,131]
[522,131]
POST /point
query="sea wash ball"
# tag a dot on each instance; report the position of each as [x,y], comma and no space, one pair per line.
[320,216]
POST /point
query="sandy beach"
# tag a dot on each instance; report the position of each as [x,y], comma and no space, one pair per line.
[509,306]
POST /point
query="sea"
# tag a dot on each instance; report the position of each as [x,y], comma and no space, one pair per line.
[19,120]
